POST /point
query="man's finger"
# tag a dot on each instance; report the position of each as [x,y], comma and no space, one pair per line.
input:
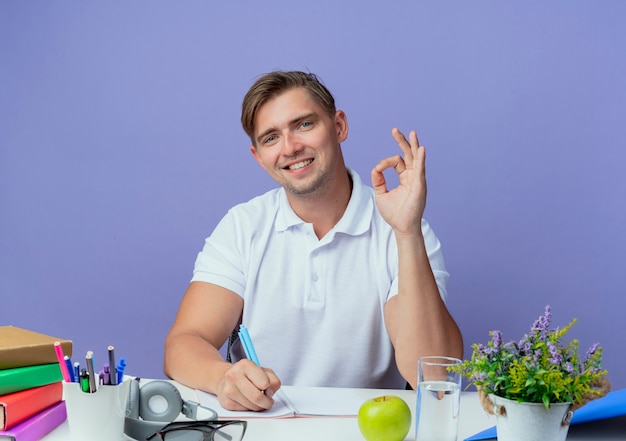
[413,137]
[404,145]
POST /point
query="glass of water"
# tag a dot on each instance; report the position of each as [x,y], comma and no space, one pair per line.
[438,399]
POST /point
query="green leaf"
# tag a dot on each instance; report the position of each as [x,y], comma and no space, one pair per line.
[546,401]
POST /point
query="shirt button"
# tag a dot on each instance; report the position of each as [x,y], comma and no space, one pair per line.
[315,277]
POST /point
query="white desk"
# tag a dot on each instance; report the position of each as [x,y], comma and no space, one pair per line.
[473,419]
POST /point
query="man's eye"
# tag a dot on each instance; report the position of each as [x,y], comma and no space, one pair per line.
[269,139]
[306,124]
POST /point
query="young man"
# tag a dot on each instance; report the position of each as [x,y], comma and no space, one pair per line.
[339,284]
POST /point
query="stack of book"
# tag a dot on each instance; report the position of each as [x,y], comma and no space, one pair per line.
[31,389]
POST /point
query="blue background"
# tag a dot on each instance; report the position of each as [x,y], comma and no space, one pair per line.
[121,148]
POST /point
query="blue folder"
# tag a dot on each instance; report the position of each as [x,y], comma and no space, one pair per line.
[611,405]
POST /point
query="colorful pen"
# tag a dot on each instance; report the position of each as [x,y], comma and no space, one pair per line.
[76,371]
[91,372]
[105,375]
[112,369]
[70,368]
[121,367]
[61,358]
[248,348]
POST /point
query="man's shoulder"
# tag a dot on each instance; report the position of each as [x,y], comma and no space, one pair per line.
[259,207]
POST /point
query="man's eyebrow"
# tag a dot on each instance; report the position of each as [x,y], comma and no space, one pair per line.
[295,120]
[262,135]
[302,118]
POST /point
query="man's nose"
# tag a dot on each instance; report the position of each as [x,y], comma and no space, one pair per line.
[292,144]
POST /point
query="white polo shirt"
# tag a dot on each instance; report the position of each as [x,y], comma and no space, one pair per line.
[314,308]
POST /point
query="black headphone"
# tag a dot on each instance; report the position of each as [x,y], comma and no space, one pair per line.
[144,413]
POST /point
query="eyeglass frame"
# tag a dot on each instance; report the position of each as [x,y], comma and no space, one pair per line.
[211,425]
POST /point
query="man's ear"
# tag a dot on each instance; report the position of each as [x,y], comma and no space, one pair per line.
[256,156]
[341,122]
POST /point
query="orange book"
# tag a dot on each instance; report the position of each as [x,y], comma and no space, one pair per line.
[19,406]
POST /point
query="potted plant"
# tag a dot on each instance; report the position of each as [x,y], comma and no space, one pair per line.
[534,385]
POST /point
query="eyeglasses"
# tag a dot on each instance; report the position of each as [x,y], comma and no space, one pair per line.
[225,430]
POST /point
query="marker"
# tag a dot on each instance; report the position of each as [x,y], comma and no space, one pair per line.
[76,371]
[248,348]
[61,359]
[70,369]
[121,367]
[84,380]
[111,350]
[105,375]
[90,371]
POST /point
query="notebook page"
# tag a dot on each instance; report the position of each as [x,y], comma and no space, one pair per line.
[323,401]
[296,401]
[278,410]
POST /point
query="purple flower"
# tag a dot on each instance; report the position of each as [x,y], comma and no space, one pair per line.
[525,345]
[555,357]
[496,337]
[542,324]
[484,350]
[478,377]
[592,350]
[511,348]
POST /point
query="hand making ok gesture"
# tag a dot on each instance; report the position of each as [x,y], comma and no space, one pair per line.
[402,207]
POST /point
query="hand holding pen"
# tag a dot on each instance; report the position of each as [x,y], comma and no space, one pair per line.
[247,385]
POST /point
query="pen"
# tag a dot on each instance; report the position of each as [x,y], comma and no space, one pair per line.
[70,369]
[90,371]
[61,358]
[248,348]
[76,371]
[105,375]
[112,370]
[121,367]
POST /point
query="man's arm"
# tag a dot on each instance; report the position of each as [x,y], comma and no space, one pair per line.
[206,317]
[417,319]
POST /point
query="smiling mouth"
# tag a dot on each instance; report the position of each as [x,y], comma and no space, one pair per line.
[299,165]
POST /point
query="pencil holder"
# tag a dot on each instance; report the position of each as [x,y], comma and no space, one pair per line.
[96,416]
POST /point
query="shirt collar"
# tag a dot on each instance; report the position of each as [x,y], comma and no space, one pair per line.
[355,220]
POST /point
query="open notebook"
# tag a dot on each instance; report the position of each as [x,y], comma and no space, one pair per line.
[296,401]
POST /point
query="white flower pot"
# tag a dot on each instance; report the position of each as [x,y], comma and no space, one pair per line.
[531,421]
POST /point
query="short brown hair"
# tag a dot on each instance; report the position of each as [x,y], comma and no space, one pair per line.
[273,84]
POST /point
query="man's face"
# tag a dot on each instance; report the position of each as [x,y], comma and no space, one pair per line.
[297,143]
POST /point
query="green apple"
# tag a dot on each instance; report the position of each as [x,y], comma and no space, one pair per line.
[386,418]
